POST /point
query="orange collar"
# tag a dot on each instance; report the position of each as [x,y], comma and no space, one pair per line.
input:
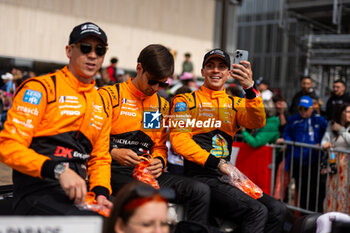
[75,83]
[213,94]
[134,90]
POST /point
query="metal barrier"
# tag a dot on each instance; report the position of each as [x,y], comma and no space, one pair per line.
[308,195]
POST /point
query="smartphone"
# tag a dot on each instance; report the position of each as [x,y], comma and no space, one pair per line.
[240,55]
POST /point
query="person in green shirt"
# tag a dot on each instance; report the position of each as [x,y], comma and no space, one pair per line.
[269,133]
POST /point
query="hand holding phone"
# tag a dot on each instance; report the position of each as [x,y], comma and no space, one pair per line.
[243,75]
[240,55]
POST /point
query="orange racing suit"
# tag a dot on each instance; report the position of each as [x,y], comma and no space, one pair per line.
[138,123]
[204,122]
[127,105]
[56,118]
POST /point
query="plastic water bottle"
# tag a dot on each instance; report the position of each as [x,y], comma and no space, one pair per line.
[332,163]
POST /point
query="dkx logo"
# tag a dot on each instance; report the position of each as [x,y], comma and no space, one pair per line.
[151,120]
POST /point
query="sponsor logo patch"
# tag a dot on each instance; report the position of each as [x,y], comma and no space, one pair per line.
[70,113]
[127,113]
[68,99]
[32,97]
[180,107]
[26,110]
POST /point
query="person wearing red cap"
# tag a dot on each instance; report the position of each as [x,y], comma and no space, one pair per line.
[57,133]
[204,124]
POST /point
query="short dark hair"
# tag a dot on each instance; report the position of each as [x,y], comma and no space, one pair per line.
[338,113]
[305,77]
[278,97]
[264,82]
[157,61]
[187,55]
[340,81]
[114,60]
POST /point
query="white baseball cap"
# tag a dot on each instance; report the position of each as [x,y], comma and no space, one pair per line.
[7,76]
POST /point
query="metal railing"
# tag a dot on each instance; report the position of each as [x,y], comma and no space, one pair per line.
[309,167]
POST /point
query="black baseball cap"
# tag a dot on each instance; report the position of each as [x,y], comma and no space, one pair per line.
[87,29]
[219,53]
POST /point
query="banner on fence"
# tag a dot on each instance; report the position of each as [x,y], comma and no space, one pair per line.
[254,163]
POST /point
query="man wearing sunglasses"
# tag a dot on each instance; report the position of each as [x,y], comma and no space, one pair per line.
[137,114]
[57,134]
[212,118]
[307,126]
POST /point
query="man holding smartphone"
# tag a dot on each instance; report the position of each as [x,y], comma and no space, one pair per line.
[205,122]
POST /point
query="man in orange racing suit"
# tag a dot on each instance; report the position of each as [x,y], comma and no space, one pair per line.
[57,133]
[203,124]
[137,113]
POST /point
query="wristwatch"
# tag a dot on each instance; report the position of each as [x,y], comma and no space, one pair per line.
[59,169]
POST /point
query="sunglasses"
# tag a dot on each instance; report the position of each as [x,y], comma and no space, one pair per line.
[303,109]
[86,48]
[153,82]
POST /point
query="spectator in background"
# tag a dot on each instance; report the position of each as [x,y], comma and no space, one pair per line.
[187,65]
[17,73]
[105,77]
[338,136]
[6,98]
[8,83]
[282,114]
[98,79]
[120,76]
[306,89]
[268,134]
[186,79]
[26,75]
[139,208]
[316,106]
[263,87]
[337,98]
[112,69]
[306,127]
[281,111]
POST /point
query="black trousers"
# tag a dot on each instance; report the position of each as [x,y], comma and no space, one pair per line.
[194,195]
[228,202]
[51,201]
